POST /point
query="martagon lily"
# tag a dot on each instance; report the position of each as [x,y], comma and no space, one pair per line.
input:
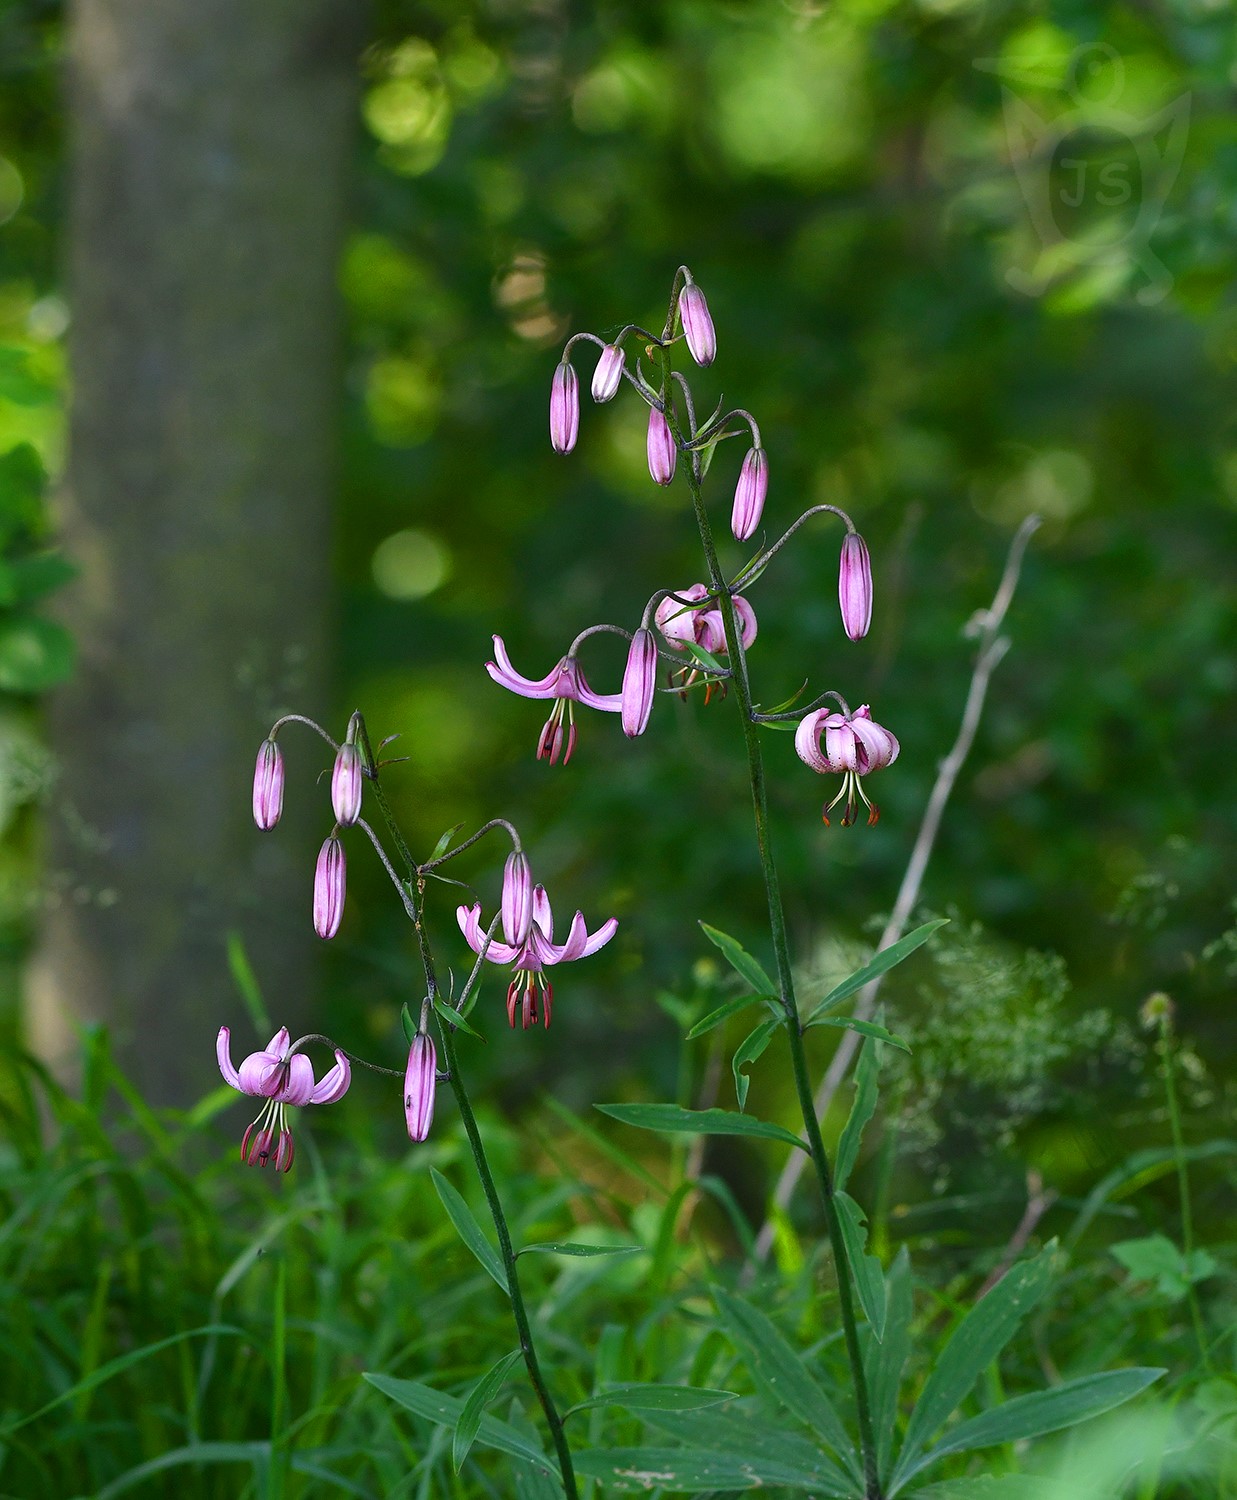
[531,950]
[566,685]
[281,1076]
[849,745]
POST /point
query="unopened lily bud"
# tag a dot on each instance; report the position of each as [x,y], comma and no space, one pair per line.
[609,373]
[420,1083]
[639,683]
[268,785]
[697,324]
[749,494]
[517,903]
[661,449]
[855,586]
[564,408]
[346,785]
[330,884]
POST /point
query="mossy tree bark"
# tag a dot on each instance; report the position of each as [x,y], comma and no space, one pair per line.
[210,146]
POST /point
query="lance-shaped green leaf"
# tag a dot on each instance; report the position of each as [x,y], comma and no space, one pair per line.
[441,848]
[1043,1411]
[881,964]
[474,1407]
[866,1269]
[885,1360]
[452,1017]
[704,658]
[689,1470]
[776,1366]
[469,1230]
[742,1433]
[640,1395]
[740,960]
[864,1028]
[672,1120]
[974,1344]
[724,1013]
[437,1406]
[569,1247]
[862,1108]
[748,1051]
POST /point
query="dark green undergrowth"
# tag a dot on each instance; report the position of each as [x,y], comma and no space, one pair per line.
[174,1323]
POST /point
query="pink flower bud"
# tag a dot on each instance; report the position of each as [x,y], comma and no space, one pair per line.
[609,373]
[697,324]
[330,883]
[517,904]
[855,586]
[564,408]
[346,785]
[662,453]
[268,785]
[749,494]
[639,682]
[420,1082]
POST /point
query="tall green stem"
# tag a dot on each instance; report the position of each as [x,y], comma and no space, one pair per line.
[785,978]
[527,1346]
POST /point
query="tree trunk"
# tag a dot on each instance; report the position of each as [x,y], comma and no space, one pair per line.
[210,148]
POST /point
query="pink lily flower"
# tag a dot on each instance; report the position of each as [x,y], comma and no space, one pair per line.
[566,685]
[281,1077]
[681,624]
[533,953]
[849,745]
[855,586]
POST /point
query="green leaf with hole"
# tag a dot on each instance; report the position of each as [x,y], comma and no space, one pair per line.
[740,960]
[748,1051]
[885,960]
[866,1269]
[690,1471]
[647,1396]
[474,1406]
[863,1107]
[469,1230]
[671,1120]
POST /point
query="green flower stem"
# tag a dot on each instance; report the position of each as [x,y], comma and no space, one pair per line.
[489,1188]
[1183,1180]
[781,950]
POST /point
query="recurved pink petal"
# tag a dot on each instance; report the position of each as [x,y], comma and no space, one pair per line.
[877,747]
[746,617]
[335,1084]
[807,741]
[297,1081]
[223,1051]
[580,944]
[469,918]
[506,675]
[543,917]
[840,744]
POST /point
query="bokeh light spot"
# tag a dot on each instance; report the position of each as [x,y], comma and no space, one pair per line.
[410,564]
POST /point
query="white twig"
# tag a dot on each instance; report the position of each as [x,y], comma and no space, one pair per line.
[986,625]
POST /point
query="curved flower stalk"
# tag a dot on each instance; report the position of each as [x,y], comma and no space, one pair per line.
[281,1076]
[532,952]
[566,685]
[849,745]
